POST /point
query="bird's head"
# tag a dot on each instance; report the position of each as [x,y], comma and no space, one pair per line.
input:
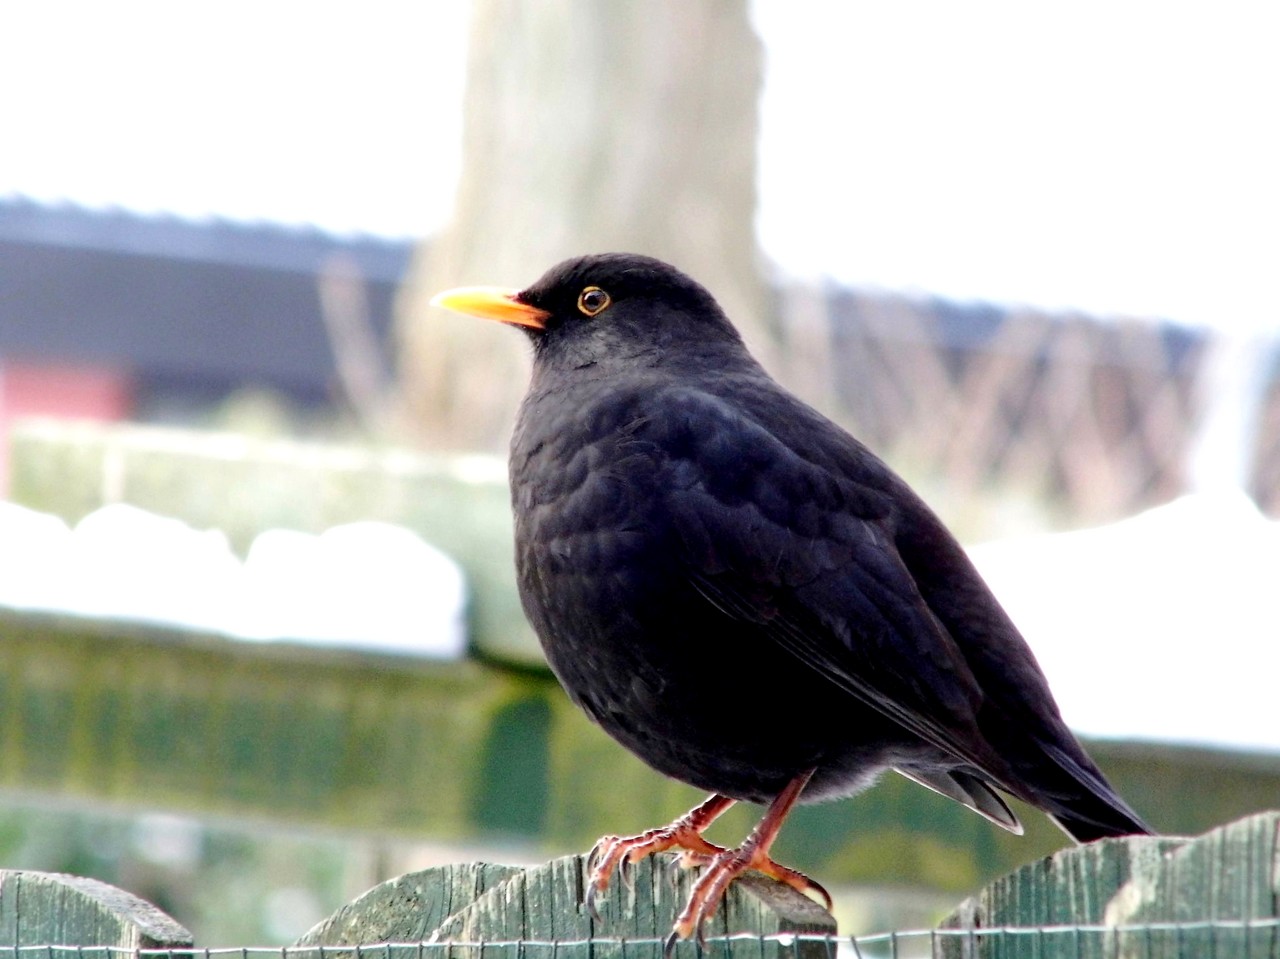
[610,305]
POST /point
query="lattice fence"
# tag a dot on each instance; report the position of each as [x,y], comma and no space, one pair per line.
[1097,418]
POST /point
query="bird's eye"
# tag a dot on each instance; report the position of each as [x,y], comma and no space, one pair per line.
[593,300]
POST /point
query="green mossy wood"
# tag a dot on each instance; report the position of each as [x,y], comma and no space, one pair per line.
[40,908]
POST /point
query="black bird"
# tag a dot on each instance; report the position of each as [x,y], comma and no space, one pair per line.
[743,595]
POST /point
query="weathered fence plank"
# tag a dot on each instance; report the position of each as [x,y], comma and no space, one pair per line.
[1153,897]
[1231,873]
[410,908]
[1074,887]
[40,908]
[544,904]
[477,902]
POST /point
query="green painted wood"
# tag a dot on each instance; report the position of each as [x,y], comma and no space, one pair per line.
[409,908]
[545,904]
[39,908]
[1134,887]
[116,713]
[151,718]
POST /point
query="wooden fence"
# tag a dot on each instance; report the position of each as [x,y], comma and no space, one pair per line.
[1212,895]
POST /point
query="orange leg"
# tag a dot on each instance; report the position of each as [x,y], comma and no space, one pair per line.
[727,864]
[610,852]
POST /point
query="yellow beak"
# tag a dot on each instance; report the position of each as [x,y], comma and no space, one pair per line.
[492,303]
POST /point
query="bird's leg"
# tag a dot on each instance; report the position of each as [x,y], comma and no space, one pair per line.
[685,833]
[728,864]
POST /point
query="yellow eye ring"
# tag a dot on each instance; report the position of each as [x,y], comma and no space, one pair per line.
[593,300]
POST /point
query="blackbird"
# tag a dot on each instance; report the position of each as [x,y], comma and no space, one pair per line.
[743,595]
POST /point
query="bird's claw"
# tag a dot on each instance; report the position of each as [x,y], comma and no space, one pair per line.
[806,886]
[589,901]
[695,860]
[669,947]
[613,854]
[722,869]
[676,936]
[626,872]
[599,867]
[620,854]
[603,861]
[593,857]
[708,891]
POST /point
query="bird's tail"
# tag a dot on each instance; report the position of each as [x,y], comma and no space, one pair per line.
[1093,810]
[1082,829]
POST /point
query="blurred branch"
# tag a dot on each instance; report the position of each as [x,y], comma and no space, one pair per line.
[362,369]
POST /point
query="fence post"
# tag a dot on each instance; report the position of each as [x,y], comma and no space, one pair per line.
[41,908]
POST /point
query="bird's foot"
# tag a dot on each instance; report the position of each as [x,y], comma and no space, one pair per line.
[722,869]
[618,853]
[728,864]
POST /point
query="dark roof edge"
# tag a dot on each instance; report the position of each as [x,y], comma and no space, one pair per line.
[302,249]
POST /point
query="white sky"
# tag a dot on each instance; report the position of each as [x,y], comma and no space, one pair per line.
[342,115]
[1120,157]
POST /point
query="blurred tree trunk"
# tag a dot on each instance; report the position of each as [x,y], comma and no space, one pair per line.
[591,125]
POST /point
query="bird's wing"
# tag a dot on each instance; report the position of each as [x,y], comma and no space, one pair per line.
[872,651]
[785,539]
